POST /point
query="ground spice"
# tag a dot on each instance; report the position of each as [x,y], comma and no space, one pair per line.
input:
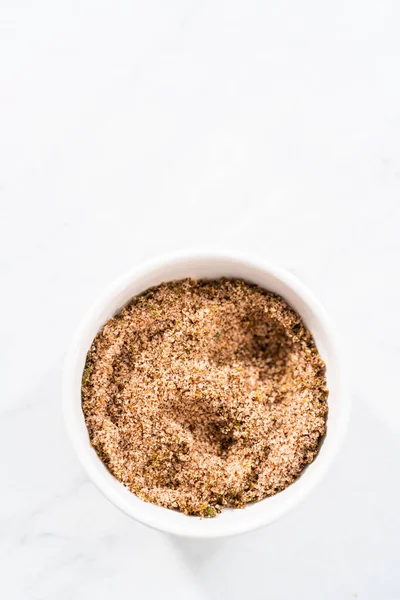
[205,394]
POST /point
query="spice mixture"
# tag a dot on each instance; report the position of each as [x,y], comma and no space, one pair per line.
[205,394]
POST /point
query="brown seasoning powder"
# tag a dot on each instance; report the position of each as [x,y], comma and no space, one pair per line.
[205,394]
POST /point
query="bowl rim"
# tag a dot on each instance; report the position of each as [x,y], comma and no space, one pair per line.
[87,457]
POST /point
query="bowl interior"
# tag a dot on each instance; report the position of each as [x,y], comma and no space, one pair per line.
[204,266]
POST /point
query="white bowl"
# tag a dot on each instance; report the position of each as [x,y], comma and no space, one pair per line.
[206,264]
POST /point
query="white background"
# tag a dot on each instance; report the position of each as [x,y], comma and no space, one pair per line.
[131,128]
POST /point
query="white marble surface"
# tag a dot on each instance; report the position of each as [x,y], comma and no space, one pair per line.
[132,128]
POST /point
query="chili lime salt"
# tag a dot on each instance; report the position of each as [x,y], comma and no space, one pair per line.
[205,394]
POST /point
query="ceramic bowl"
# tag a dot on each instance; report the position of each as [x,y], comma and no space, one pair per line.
[206,264]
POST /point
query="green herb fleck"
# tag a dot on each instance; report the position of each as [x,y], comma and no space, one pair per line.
[211,512]
[86,374]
